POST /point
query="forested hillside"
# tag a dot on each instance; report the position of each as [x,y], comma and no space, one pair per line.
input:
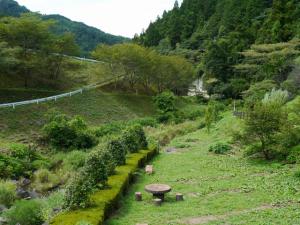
[86,37]
[212,33]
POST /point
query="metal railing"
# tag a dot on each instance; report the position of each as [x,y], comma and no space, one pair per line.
[56,97]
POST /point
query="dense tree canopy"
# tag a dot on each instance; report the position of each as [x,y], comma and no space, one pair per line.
[31,50]
[85,36]
[212,33]
[145,68]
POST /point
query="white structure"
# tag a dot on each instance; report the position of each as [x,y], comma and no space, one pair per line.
[197,88]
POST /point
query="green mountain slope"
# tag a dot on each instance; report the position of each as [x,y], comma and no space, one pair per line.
[87,37]
[195,22]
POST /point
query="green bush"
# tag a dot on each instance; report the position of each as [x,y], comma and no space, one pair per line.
[54,201]
[23,152]
[65,133]
[96,166]
[294,155]
[43,175]
[201,99]
[109,161]
[26,213]
[118,151]
[166,117]
[85,140]
[297,174]
[105,201]
[220,148]
[78,191]
[134,139]
[109,129]
[44,180]
[7,193]
[18,162]
[165,103]
[145,122]
[75,160]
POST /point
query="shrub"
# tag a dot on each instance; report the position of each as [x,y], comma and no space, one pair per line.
[145,122]
[212,114]
[40,164]
[54,201]
[109,161]
[118,151]
[201,98]
[264,122]
[7,193]
[78,191]
[220,148]
[193,114]
[109,129]
[75,160]
[26,213]
[294,155]
[44,180]
[23,152]
[62,132]
[165,117]
[18,162]
[134,139]
[96,166]
[165,103]
[85,140]
[43,175]
[297,174]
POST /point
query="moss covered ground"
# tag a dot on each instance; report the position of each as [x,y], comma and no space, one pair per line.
[218,189]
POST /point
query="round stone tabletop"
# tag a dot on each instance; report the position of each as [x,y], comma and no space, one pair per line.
[158,188]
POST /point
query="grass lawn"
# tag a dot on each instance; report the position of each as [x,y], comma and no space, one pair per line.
[218,189]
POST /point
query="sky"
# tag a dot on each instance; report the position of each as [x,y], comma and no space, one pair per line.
[118,17]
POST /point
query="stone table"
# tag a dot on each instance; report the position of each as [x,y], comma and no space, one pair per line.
[158,190]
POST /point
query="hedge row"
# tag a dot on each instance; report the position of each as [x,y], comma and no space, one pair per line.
[105,201]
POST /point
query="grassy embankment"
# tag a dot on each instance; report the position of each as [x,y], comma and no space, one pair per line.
[218,189]
[83,73]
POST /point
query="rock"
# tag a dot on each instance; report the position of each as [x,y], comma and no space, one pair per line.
[157,201]
[21,193]
[56,210]
[2,221]
[33,194]
[25,182]
[179,197]
[149,169]
[2,208]
[171,150]
[138,196]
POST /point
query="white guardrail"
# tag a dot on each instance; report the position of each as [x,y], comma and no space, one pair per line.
[54,98]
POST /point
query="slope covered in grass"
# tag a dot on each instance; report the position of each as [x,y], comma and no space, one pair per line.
[218,189]
[83,74]
[95,106]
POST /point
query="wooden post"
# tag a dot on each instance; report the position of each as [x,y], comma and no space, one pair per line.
[149,169]
[138,196]
[179,197]
[157,201]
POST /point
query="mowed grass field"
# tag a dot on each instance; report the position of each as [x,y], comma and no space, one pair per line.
[218,189]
